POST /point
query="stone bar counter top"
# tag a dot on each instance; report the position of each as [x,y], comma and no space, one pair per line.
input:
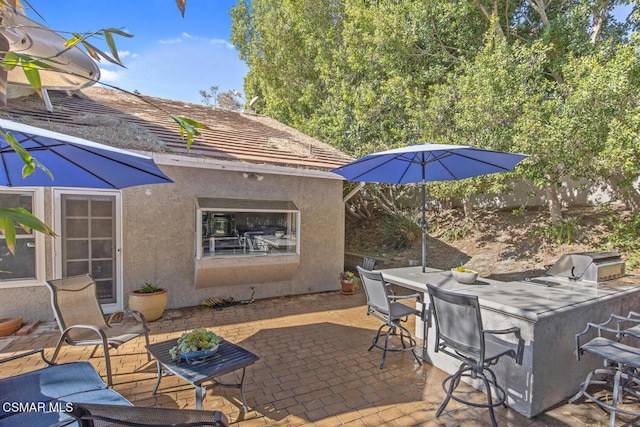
[549,317]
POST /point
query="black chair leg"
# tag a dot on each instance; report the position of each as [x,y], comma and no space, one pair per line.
[453,381]
[376,338]
[450,383]
[490,402]
[393,331]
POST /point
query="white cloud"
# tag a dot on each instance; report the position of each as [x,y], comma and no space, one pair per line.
[127,54]
[170,41]
[110,76]
[188,36]
[221,42]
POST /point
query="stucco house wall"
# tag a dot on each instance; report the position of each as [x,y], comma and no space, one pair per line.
[159,222]
[159,244]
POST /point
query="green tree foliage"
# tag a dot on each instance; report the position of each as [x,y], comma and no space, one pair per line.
[555,79]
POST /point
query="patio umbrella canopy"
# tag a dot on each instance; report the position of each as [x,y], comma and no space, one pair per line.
[428,162]
[73,162]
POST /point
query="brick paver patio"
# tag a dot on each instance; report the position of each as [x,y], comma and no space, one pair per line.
[314,370]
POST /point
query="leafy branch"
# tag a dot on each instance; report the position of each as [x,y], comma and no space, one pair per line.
[10,218]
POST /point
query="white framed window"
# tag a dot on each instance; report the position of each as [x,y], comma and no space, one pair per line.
[26,266]
[235,228]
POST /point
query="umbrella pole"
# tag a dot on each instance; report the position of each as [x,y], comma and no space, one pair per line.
[424,229]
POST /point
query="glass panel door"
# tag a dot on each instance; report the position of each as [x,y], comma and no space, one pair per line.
[88,237]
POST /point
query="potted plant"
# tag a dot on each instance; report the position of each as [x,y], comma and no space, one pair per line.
[9,325]
[198,344]
[347,282]
[150,300]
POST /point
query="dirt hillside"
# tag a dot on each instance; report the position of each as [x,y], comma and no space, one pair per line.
[500,244]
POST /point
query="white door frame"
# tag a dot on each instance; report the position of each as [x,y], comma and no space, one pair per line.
[57,210]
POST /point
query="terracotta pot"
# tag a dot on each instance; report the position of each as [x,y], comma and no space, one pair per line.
[348,287]
[151,305]
[9,325]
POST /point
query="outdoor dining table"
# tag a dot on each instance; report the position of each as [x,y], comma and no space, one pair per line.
[548,318]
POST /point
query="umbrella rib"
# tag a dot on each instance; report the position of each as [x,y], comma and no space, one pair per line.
[374,168]
[451,153]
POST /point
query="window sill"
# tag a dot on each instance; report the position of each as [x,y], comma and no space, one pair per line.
[20,283]
[242,270]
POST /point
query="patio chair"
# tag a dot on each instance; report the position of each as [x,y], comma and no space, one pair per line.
[82,322]
[624,330]
[460,334]
[94,415]
[74,394]
[384,306]
[621,369]
[368,263]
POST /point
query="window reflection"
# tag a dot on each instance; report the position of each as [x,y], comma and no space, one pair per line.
[227,233]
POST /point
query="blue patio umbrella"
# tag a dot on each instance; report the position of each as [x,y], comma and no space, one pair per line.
[73,162]
[428,162]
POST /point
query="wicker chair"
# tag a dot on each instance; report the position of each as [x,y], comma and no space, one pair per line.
[460,334]
[82,322]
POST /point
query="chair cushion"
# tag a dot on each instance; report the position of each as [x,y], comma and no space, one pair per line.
[44,391]
[52,382]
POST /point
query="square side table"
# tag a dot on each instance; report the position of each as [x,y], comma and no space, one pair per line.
[229,357]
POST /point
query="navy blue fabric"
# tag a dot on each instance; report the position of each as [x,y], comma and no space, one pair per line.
[52,382]
[36,398]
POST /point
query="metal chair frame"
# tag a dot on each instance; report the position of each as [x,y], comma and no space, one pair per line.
[86,324]
[621,370]
[368,263]
[383,305]
[459,333]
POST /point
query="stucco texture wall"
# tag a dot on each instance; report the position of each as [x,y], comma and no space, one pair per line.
[159,237]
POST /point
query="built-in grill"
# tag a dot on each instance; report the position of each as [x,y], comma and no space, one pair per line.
[588,267]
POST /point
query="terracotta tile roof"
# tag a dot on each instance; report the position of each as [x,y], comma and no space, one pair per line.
[123,120]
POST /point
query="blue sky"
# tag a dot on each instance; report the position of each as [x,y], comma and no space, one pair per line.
[170,56]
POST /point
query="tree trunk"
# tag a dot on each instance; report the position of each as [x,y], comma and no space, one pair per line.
[468,207]
[599,17]
[553,202]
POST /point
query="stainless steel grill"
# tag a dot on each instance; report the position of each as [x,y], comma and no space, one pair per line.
[588,267]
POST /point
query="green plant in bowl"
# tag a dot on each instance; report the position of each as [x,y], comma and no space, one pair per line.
[198,340]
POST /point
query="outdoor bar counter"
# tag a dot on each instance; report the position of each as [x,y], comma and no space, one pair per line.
[548,318]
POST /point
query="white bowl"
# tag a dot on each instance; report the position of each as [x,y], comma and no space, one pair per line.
[464,277]
[279,234]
